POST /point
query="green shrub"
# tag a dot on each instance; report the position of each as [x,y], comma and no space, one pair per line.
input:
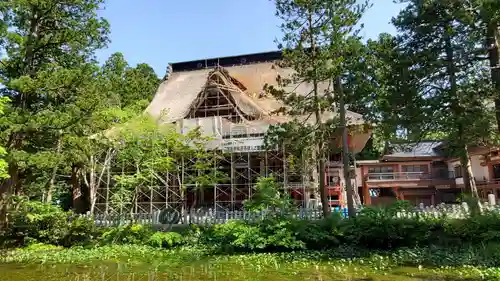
[32,220]
[321,234]
[82,231]
[31,223]
[378,228]
[165,240]
[476,229]
[130,234]
[240,236]
[40,247]
[280,235]
[268,197]
[233,235]
[372,228]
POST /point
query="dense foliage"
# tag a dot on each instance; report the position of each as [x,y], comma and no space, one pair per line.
[35,222]
[139,262]
[374,240]
[58,96]
[320,40]
[450,264]
[372,229]
[148,152]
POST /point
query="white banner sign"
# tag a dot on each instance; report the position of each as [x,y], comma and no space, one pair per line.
[242,144]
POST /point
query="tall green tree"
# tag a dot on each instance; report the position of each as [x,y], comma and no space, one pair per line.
[446,78]
[117,94]
[128,85]
[318,38]
[484,19]
[49,47]
[345,49]
[380,86]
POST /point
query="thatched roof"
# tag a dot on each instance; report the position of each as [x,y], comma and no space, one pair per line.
[183,90]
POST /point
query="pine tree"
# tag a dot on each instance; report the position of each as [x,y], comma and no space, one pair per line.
[49,47]
[484,19]
[449,83]
[319,36]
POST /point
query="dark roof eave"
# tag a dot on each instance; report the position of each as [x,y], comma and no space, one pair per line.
[414,158]
[226,61]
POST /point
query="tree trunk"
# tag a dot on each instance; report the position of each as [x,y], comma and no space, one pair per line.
[34,22]
[357,198]
[133,206]
[6,191]
[319,123]
[468,176]
[51,183]
[9,186]
[345,151]
[92,183]
[192,208]
[322,185]
[78,198]
[457,110]
[312,177]
[493,45]
[95,180]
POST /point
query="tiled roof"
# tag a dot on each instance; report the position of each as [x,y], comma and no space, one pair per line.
[415,149]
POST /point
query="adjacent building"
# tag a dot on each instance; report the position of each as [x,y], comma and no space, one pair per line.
[423,173]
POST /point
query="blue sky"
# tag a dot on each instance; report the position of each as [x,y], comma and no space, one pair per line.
[157,32]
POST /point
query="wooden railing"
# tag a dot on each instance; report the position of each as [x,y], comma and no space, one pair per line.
[487,182]
[396,176]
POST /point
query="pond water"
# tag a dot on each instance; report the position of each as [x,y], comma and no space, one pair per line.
[123,272]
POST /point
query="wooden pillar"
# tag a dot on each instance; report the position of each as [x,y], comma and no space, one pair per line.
[396,191]
[364,187]
[366,193]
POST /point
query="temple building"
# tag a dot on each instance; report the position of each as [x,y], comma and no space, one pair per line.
[225,98]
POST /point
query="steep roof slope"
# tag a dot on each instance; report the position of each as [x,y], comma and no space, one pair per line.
[177,94]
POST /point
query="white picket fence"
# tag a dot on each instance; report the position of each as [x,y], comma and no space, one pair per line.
[201,218]
[455,211]
[209,217]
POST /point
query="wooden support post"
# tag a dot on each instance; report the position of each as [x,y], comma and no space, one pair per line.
[366,194]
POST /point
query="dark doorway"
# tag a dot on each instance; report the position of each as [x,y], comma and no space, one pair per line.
[496,171]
